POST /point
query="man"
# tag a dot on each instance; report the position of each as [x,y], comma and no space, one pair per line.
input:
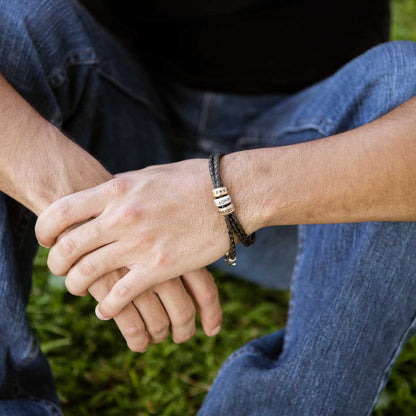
[318,126]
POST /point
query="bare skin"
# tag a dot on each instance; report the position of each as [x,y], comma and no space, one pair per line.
[366,174]
[28,144]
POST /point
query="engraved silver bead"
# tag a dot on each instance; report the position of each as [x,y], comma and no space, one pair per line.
[226,210]
[224,200]
[217,192]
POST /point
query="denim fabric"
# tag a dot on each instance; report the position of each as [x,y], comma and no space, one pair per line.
[353,285]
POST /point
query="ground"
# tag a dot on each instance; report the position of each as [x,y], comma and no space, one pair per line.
[97,375]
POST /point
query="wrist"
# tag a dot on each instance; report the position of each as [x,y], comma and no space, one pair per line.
[70,169]
[241,176]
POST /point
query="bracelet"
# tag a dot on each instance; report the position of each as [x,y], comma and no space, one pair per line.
[226,208]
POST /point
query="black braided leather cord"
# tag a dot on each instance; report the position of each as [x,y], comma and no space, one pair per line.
[231,254]
[231,219]
[245,239]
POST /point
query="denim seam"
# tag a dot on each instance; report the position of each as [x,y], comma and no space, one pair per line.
[254,136]
[31,353]
[293,280]
[264,135]
[85,56]
[131,94]
[384,377]
[242,351]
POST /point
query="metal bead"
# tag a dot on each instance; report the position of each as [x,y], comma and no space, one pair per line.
[225,200]
[217,192]
[230,261]
[226,210]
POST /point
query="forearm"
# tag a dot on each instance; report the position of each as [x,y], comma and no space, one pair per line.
[366,174]
[38,163]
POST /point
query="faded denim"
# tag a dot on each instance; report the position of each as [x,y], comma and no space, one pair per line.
[353,285]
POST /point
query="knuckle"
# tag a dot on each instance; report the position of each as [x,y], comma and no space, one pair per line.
[144,237]
[135,331]
[186,317]
[121,289]
[159,330]
[87,267]
[117,186]
[162,261]
[209,296]
[61,211]
[66,247]
[128,214]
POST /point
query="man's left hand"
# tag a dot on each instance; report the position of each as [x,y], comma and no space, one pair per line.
[159,222]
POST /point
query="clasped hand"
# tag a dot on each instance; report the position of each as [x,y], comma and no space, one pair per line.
[147,227]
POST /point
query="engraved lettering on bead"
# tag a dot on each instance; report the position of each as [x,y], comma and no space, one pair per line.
[224,200]
[226,210]
[217,192]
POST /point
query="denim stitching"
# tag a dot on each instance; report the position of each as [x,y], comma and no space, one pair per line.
[77,57]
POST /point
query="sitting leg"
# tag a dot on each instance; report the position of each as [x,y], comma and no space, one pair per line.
[80,79]
[354,285]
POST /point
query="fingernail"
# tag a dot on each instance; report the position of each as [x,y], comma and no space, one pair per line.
[216,330]
[100,315]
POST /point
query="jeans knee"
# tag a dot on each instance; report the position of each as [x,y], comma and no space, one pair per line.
[375,83]
[389,70]
[39,41]
[394,63]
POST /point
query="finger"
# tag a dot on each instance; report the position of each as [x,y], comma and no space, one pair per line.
[179,307]
[73,209]
[132,328]
[154,316]
[71,246]
[202,287]
[129,321]
[125,290]
[95,265]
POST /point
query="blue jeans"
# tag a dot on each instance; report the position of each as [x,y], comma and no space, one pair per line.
[353,285]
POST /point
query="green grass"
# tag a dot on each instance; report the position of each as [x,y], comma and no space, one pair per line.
[97,375]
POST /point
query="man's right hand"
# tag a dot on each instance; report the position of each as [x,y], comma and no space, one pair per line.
[147,319]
